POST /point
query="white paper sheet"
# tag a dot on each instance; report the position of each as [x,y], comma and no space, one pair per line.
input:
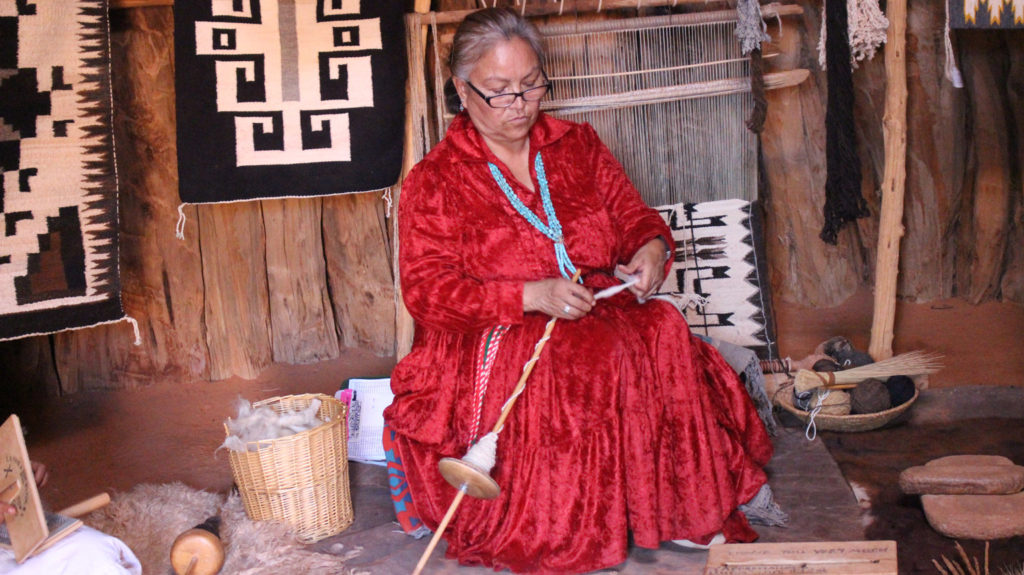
[366,419]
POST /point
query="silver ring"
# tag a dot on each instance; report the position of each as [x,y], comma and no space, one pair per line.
[566,309]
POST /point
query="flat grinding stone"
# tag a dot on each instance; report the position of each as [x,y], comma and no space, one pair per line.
[980,517]
[964,474]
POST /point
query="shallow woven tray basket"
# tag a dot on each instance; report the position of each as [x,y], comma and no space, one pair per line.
[300,479]
[855,422]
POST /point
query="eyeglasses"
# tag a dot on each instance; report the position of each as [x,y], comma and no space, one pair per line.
[507,99]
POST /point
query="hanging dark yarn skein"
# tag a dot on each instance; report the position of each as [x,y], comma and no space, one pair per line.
[757,116]
[843,200]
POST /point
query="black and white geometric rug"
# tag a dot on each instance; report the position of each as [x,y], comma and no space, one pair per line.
[58,187]
[288,98]
[719,257]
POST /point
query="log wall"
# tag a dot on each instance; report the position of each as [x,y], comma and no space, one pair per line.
[294,281]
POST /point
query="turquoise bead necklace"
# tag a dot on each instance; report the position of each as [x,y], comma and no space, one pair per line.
[553,230]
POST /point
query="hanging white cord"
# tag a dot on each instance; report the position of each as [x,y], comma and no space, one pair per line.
[179,229]
[561,6]
[135,328]
[387,200]
[812,430]
[952,72]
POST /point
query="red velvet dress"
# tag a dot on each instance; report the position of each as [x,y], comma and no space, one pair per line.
[628,422]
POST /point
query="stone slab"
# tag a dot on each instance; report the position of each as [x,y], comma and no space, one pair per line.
[982,517]
[957,480]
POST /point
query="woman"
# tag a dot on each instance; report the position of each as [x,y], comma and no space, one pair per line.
[628,424]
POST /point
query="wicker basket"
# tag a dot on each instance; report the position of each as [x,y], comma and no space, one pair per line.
[300,479]
[855,422]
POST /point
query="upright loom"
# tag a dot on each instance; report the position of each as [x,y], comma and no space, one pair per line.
[669,95]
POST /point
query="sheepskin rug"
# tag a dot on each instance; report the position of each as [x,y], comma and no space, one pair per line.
[149,517]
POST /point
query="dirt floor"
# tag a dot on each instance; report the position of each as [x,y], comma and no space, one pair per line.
[111,441]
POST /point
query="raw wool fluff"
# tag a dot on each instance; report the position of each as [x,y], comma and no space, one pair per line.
[868,29]
[149,517]
[262,423]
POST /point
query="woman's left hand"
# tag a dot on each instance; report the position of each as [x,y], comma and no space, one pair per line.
[649,264]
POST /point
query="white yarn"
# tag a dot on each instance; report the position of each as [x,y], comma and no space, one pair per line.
[179,228]
[681,301]
[263,423]
[812,430]
[867,27]
[483,453]
[952,72]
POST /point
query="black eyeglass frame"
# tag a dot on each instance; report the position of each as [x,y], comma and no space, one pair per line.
[515,95]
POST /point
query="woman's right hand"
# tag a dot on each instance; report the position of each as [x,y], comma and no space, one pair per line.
[557,297]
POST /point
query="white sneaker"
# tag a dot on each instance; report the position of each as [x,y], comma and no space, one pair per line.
[718,539]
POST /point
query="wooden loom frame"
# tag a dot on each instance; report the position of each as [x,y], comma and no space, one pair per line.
[417,140]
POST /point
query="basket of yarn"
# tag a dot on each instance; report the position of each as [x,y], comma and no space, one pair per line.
[832,421]
[299,478]
[868,395]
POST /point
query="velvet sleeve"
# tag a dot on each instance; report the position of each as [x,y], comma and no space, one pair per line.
[437,288]
[635,222]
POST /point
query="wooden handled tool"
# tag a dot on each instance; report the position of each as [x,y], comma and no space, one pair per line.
[86,507]
[199,550]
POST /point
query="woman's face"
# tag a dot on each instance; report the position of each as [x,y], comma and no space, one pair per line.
[510,66]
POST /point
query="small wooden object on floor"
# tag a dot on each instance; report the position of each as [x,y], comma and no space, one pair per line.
[27,529]
[199,550]
[828,558]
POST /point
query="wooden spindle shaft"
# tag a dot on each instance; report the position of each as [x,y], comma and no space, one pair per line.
[440,530]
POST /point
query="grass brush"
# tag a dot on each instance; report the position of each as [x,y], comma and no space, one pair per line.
[910,363]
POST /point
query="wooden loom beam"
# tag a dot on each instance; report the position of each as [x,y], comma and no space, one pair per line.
[572,6]
[890,227]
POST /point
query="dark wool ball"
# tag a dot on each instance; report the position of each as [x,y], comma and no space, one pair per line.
[901,389]
[852,358]
[870,396]
[836,345]
[825,365]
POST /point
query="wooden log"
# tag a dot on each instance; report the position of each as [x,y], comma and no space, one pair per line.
[414,149]
[935,160]
[301,315]
[986,199]
[891,224]
[237,307]
[359,271]
[161,276]
[1012,285]
[803,269]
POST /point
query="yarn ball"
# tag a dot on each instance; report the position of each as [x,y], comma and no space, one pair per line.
[834,402]
[825,365]
[852,358]
[837,402]
[870,396]
[901,389]
[834,345]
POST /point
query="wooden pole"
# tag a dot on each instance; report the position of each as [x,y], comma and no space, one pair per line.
[404,325]
[890,227]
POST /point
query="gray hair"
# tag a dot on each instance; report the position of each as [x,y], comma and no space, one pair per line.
[481,31]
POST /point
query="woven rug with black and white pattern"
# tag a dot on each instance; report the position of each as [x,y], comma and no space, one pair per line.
[58,189]
[720,257]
